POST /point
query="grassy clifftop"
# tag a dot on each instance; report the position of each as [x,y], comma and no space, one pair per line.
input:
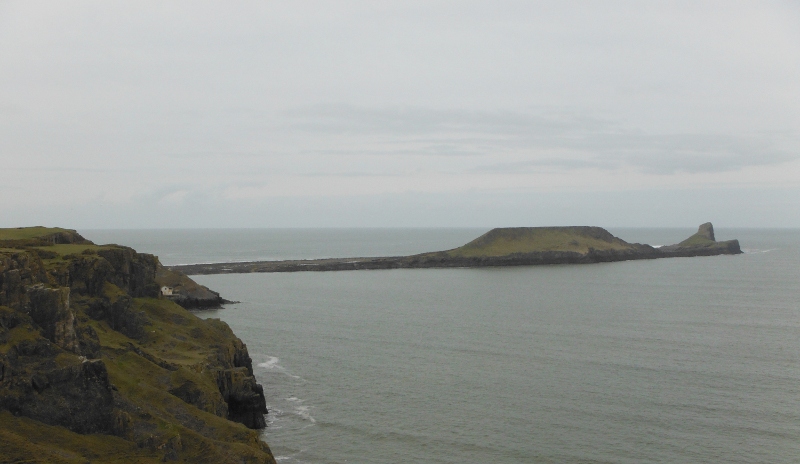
[95,366]
[39,236]
[24,233]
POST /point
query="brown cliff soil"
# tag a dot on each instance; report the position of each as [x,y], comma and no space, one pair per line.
[94,366]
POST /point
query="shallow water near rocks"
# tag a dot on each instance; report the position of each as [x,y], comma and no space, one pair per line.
[671,360]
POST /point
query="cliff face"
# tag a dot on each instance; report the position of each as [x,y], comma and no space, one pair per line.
[93,365]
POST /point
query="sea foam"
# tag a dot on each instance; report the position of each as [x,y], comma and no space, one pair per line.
[271,363]
[300,410]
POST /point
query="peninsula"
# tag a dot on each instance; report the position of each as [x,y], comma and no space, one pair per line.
[97,365]
[515,246]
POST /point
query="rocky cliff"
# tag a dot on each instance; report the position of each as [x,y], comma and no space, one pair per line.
[96,366]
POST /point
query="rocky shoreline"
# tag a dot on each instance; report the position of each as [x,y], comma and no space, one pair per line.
[703,243]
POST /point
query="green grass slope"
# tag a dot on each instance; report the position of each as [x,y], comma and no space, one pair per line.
[512,240]
[23,233]
[703,237]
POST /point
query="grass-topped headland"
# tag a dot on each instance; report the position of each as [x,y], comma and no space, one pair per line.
[511,240]
[59,249]
[38,235]
[23,233]
[97,366]
[508,246]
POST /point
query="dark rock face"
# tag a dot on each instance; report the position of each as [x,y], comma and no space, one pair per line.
[240,398]
[707,231]
[79,398]
[236,383]
[17,271]
[49,309]
[132,272]
[65,237]
[193,302]
[117,310]
[196,395]
[245,397]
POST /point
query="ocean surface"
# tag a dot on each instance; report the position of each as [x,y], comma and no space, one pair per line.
[681,360]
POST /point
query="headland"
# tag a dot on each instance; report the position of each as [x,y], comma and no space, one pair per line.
[512,246]
[97,365]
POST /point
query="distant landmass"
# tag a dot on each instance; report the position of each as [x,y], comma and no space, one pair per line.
[509,246]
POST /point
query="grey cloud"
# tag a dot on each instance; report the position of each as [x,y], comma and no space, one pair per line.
[137,96]
[694,153]
[556,163]
[420,121]
[590,142]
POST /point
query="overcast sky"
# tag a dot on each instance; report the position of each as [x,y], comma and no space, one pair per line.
[383,114]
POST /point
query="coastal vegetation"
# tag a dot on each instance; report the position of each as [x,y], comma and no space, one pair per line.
[703,237]
[510,240]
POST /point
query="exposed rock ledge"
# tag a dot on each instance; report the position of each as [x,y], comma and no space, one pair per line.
[518,246]
[186,292]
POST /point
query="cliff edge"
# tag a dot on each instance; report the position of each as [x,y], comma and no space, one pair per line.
[96,366]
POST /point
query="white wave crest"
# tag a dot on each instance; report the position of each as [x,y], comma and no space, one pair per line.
[300,410]
[271,363]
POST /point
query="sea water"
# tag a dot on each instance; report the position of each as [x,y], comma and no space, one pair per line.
[671,360]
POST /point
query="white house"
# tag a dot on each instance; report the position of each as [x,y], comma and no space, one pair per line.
[166,291]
